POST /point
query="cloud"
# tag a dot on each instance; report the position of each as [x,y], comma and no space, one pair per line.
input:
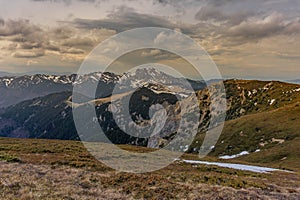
[210,12]
[24,39]
[256,28]
[29,45]
[152,52]
[165,37]
[2,22]
[66,2]
[15,27]
[74,51]
[52,47]
[287,56]
[292,27]
[226,21]
[30,62]
[233,23]
[124,18]
[230,30]
[78,41]
[29,54]
[61,32]
[157,55]
[218,14]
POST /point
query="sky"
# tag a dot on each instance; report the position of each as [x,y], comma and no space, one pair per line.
[250,39]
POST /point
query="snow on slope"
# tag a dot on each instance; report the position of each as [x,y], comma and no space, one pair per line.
[235,156]
[235,166]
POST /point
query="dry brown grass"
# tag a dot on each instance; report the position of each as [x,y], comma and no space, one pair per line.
[50,169]
[28,181]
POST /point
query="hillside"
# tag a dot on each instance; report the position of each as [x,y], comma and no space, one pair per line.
[243,98]
[60,169]
[262,123]
[251,96]
[262,128]
[50,117]
[268,137]
[42,117]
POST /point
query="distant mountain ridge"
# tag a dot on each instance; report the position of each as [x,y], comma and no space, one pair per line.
[19,88]
[295,81]
[30,73]
[16,89]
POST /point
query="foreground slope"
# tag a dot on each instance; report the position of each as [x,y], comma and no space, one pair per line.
[57,169]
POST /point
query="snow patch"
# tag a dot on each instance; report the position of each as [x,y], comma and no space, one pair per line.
[235,156]
[272,101]
[235,166]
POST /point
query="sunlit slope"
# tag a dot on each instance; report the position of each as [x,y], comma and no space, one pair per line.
[270,137]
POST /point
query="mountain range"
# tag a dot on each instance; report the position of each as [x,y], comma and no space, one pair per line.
[40,106]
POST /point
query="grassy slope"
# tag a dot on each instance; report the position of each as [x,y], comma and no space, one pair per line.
[54,168]
[256,131]
[261,123]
